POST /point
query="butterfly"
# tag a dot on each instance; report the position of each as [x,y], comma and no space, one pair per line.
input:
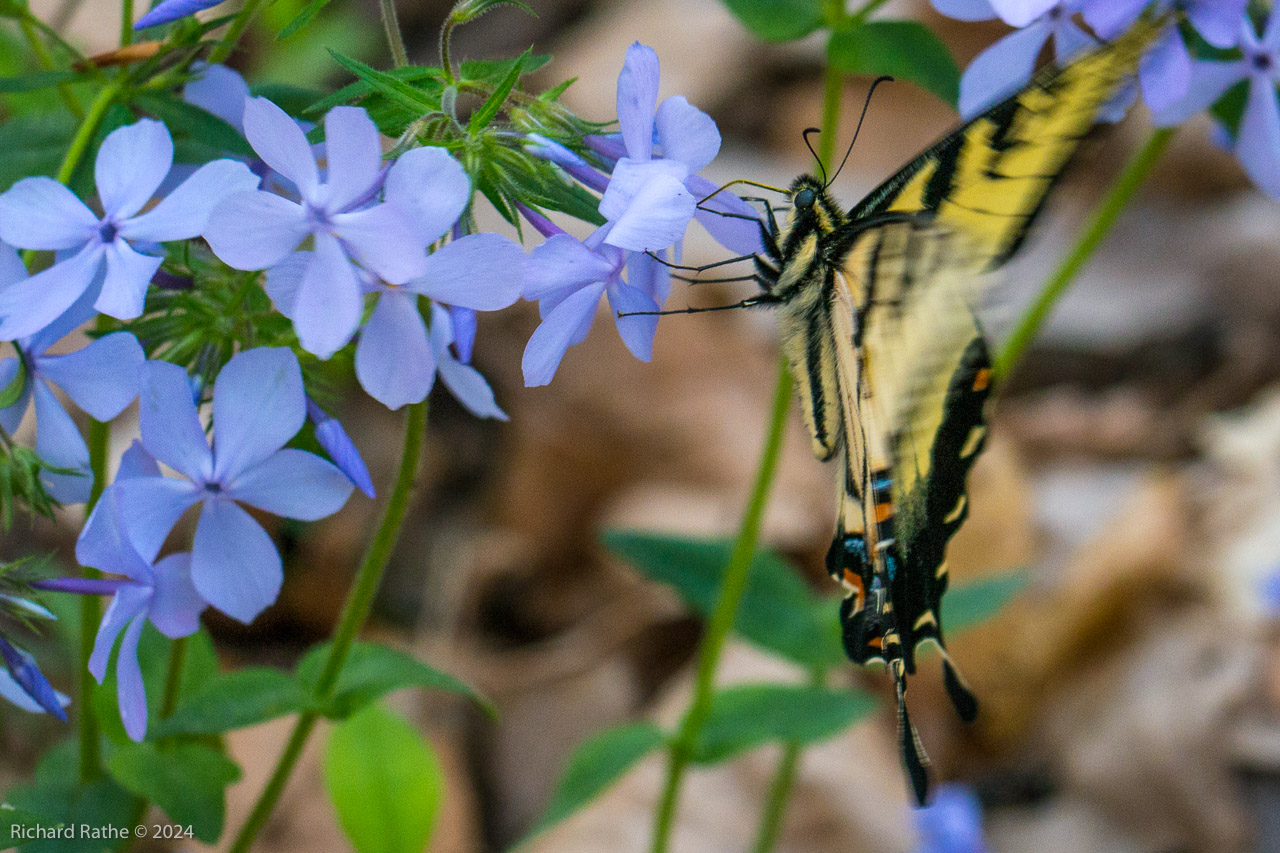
[876,316]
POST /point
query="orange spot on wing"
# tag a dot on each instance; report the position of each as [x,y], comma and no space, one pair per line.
[884,512]
[982,380]
[876,643]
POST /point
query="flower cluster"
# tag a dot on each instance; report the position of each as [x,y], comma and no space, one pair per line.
[1174,84]
[359,252]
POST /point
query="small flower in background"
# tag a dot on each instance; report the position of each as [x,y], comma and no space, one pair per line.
[952,823]
[568,277]
[40,213]
[1257,141]
[171,10]
[258,406]
[158,592]
[341,449]
[24,685]
[101,378]
[255,230]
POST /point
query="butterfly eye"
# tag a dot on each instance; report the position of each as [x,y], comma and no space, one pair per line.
[804,198]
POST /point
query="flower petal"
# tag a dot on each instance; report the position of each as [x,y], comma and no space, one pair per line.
[1109,18]
[1019,13]
[480,271]
[463,322]
[33,303]
[655,216]
[185,212]
[651,278]
[171,10]
[686,133]
[11,267]
[127,604]
[40,213]
[738,235]
[80,312]
[234,563]
[466,383]
[153,506]
[1165,71]
[563,261]
[327,305]
[637,97]
[1209,81]
[137,462]
[1258,143]
[125,289]
[281,144]
[394,362]
[219,90]
[548,343]
[169,423]
[31,681]
[353,152]
[293,483]
[1218,21]
[285,279]
[431,187]
[1001,69]
[258,405]
[965,10]
[637,332]
[175,606]
[344,453]
[255,230]
[102,378]
[130,690]
[18,697]
[105,544]
[131,164]
[59,443]
[384,240]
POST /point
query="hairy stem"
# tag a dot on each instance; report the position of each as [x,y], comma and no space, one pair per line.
[395,40]
[724,614]
[354,613]
[235,31]
[1104,219]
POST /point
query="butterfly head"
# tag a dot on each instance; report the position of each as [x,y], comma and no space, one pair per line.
[812,208]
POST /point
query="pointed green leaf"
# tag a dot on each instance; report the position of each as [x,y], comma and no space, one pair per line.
[778,20]
[422,75]
[12,392]
[493,104]
[234,700]
[597,763]
[905,50]
[188,782]
[38,80]
[303,18]
[387,84]
[385,782]
[746,717]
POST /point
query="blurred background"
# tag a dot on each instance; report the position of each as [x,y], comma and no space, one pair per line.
[1130,694]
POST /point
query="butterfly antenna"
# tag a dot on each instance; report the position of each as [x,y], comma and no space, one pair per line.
[807,144]
[857,130]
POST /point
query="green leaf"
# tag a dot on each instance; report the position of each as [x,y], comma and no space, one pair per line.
[189,782]
[12,392]
[196,122]
[967,604]
[385,782]
[778,611]
[303,18]
[597,763]
[361,89]
[743,718]
[11,818]
[906,50]
[33,145]
[234,700]
[493,104]
[778,20]
[386,84]
[38,80]
[372,671]
[469,10]
[493,71]
[57,797]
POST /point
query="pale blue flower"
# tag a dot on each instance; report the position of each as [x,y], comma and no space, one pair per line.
[171,10]
[24,685]
[40,213]
[258,406]
[951,823]
[341,449]
[101,378]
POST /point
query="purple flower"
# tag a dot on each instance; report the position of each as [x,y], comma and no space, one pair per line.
[952,823]
[220,91]
[568,277]
[160,592]
[101,378]
[398,355]
[1257,143]
[649,200]
[23,684]
[256,230]
[1006,66]
[40,213]
[341,449]
[258,405]
[172,10]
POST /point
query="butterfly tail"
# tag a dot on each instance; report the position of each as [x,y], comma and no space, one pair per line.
[961,696]
[914,758]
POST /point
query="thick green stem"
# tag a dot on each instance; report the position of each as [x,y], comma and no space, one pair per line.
[85,133]
[173,679]
[126,22]
[395,40]
[725,612]
[354,613]
[1104,219]
[235,31]
[90,616]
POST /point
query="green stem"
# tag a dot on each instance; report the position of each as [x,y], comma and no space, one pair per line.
[724,614]
[173,679]
[235,31]
[126,23]
[1104,219]
[395,40]
[85,133]
[90,616]
[775,807]
[354,613]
